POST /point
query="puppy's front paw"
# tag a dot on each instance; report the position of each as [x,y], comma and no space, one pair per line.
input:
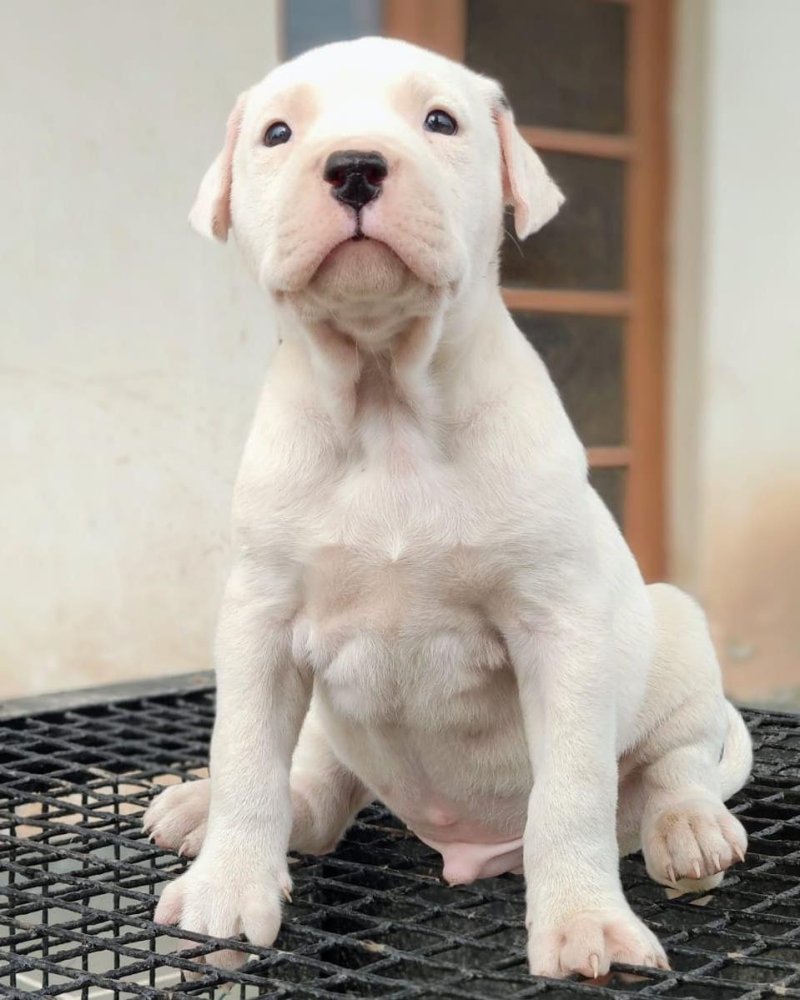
[176,818]
[588,942]
[224,896]
[692,841]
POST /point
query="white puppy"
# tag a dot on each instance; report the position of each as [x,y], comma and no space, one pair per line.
[430,605]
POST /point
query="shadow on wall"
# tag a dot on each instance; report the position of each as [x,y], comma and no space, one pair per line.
[754,611]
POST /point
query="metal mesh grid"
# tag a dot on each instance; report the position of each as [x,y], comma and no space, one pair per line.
[373,920]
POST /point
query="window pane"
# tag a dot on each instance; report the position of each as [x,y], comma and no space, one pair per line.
[314,22]
[584,355]
[583,246]
[561,62]
[610,484]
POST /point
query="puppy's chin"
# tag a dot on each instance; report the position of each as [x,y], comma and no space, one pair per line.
[366,290]
[359,270]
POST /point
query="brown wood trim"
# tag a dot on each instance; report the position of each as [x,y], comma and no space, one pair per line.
[440,25]
[613,147]
[611,457]
[568,301]
[648,94]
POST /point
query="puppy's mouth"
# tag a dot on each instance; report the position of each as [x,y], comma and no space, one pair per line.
[361,252]
[363,255]
[359,234]
[361,262]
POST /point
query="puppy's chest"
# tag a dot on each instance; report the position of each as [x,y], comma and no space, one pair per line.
[395,612]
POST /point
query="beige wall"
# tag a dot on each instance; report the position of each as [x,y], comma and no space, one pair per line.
[131,351]
[736,334]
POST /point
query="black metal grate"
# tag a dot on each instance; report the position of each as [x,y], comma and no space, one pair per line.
[373,920]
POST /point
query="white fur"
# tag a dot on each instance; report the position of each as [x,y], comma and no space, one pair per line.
[425,581]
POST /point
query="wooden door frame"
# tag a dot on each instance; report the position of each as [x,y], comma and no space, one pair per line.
[442,25]
[437,24]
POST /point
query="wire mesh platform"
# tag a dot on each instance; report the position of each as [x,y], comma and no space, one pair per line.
[373,920]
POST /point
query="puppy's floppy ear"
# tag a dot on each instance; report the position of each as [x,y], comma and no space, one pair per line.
[526,183]
[211,213]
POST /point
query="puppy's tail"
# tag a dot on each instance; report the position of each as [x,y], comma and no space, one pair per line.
[737,756]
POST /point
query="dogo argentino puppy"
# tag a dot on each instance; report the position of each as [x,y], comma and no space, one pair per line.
[430,605]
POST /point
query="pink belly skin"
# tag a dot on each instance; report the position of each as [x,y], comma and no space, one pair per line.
[471,848]
[465,862]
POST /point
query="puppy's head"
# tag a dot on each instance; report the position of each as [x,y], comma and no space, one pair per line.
[371,170]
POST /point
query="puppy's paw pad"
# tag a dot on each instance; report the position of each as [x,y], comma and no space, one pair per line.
[222,900]
[192,842]
[693,885]
[688,844]
[177,816]
[588,943]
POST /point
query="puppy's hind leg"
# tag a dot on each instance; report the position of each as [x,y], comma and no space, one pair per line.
[689,837]
[697,756]
[325,798]
[326,795]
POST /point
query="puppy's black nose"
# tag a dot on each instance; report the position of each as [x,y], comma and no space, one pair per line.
[355,177]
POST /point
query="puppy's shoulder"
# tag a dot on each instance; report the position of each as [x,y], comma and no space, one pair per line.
[292,445]
[517,411]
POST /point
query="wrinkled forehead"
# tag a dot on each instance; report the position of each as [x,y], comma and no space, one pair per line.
[369,72]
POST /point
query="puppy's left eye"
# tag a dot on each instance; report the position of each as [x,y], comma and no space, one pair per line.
[441,122]
[277,134]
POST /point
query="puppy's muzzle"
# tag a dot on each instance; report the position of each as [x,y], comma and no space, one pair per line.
[355,177]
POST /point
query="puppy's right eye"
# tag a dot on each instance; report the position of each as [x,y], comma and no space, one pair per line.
[277,134]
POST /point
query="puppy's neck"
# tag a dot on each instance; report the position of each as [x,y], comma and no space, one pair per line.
[373,382]
[416,377]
